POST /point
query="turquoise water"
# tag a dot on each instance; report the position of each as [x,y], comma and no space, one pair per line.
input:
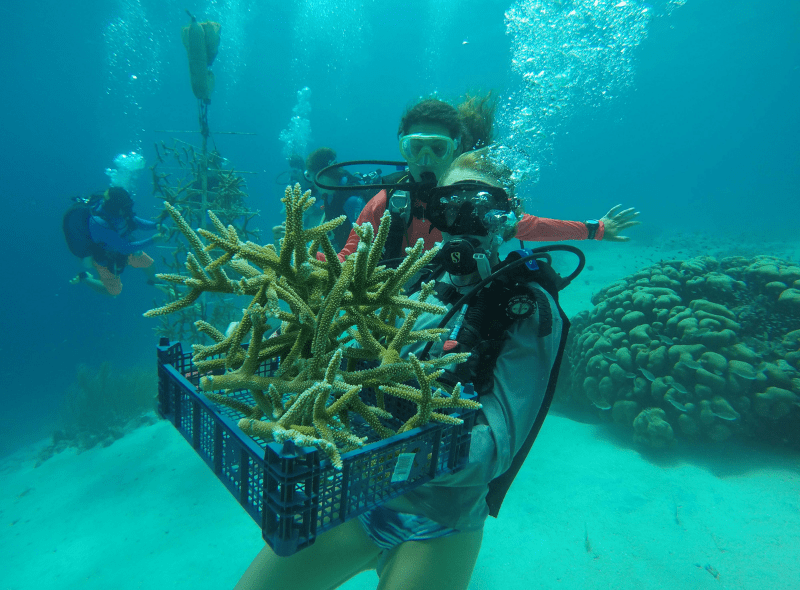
[684,109]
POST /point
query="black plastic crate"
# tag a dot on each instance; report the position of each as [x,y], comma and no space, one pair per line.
[294,493]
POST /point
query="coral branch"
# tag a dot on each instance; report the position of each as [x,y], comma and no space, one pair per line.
[341,315]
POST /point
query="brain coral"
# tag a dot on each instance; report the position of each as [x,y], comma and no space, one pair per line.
[699,349]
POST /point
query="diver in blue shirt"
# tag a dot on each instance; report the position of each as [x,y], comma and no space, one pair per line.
[100,232]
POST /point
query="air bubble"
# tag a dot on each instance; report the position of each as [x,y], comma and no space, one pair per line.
[571,56]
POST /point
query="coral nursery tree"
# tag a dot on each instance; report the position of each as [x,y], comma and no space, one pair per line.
[196,181]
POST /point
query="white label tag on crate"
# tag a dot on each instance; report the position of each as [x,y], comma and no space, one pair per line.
[403,468]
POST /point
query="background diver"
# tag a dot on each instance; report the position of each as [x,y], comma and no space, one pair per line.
[99,231]
[431,135]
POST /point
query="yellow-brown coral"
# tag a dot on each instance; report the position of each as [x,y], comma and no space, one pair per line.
[340,314]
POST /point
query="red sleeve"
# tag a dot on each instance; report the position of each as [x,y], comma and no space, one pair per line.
[541,229]
[421,228]
[372,212]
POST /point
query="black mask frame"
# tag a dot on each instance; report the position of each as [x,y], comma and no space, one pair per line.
[465,220]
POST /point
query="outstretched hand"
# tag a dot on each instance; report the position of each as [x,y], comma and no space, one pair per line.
[614,222]
[80,277]
[279,232]
[162,235]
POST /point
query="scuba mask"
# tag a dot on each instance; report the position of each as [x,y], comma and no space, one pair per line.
[427,149]
[471,208]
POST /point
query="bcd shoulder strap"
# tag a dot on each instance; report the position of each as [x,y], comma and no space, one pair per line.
[400,219]
[394,241]
[485,324]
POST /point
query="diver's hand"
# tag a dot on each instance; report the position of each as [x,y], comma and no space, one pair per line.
[162,235]
[614,222]
[279,232]
[80,277]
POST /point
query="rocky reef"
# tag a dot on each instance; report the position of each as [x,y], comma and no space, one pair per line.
[701,349]
[101,405]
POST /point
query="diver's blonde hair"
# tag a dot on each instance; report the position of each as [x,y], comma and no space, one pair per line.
[476,112]
[484,163]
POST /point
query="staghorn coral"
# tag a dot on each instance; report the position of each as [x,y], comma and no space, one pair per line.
[708,348]
[340,316]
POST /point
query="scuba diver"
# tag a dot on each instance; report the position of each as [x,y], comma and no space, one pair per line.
[99,230]
[338,202]
[432,133]
[507,315]
[297,168]
[320,174]
[304,176]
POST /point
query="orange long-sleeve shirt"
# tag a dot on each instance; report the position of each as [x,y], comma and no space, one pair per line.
[530,228]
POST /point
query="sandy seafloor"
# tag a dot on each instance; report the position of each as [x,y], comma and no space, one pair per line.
[146,512]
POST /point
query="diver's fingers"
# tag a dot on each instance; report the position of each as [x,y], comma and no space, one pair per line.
[612,210]
[631,212]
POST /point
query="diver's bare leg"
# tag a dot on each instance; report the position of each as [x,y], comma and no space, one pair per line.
[446,562]
[335,557]
[91,282]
